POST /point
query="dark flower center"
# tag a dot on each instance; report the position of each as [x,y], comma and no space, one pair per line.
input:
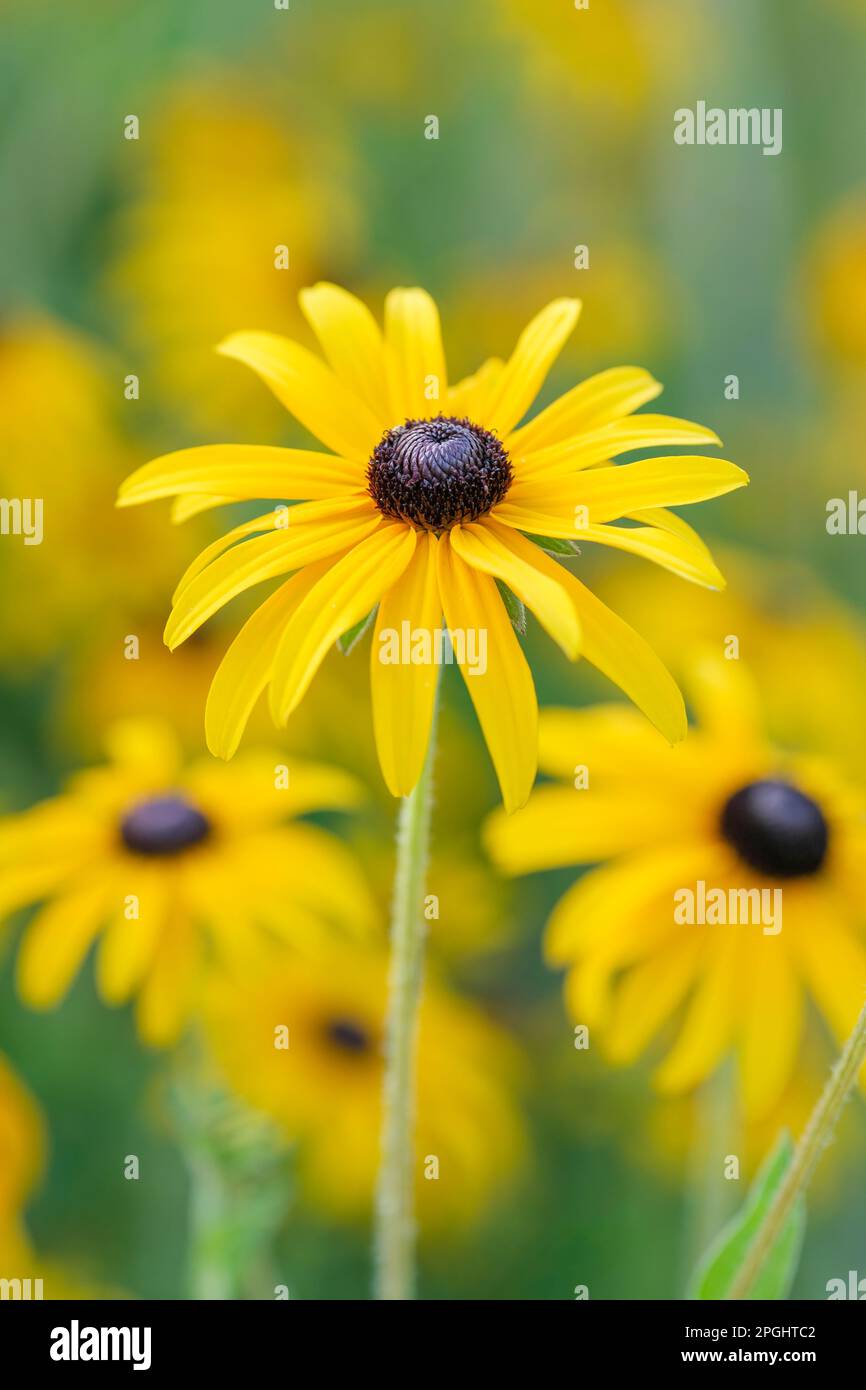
[438,472]
[776,829]
[348,1035]
[163,825]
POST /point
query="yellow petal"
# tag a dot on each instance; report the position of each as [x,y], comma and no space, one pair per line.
[264,557]
[127,947]
[249,792]
[50,836]
[602,445]
[257,526]
[647,997]
[673,552]
[404,691]
[242,471]
[417,373]
[144,745]
[470,396]
[310,391]
[619,912]
[625,658]
[281,521]
[503,693]
[351,340]
[772,1019]
[57,940]
[341,598]
[316,872]
[831,957]
[590,985]
[587,406]
[561,825]
[669,521]
[505,554]
[184,508]
[246,667]
[603,494]
[524,373]
[616,744]
[169,990]
[707,1029]
[725,700]
[21,884]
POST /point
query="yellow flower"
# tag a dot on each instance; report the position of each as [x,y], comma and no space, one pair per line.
[302,1043]
[172,865]
[423,504]
[223,188]
[22,1145]
[66,560]
[598,55]
[837,280]
[774,610]
[690,832]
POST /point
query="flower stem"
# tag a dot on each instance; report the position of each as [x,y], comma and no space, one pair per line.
[716,1130]
[814,1139]
[395,1217]
[238,1173]
[210,1275]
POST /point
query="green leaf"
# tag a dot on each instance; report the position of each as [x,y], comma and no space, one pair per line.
[354,634]
[553,545]
[717,1270]
[514,607]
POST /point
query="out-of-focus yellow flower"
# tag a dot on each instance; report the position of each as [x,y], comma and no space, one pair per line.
[837,282]
[302,1042]
[173,865]
[100,685]
[793,634]
[224,187]
[474,915]
[63,451]
[433,499]
[596,55]
[627,303]
[22,1144]
[734,888]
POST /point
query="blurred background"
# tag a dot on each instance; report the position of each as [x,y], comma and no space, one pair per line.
[305,127]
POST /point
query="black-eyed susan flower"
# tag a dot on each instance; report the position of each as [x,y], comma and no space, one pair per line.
[733,894]
[171,867]
[301,1041]
[426,504]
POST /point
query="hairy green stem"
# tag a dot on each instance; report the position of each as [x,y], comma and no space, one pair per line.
[395,1216]
[815,1138]
[210,1273]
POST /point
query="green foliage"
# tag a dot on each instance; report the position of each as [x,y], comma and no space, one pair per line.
[717,1271]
